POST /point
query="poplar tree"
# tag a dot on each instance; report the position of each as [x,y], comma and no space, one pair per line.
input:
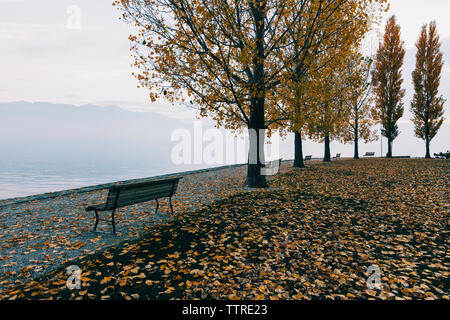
[359,102]
[427,105]
[387,82]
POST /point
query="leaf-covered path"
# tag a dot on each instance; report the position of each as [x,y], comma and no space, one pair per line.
[39,235]
[313,235]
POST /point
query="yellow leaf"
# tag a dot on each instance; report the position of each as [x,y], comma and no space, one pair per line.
[148,282]
[105,280]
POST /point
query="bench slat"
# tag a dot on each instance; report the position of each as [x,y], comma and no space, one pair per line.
[271,167]
[133,196]
[274,163]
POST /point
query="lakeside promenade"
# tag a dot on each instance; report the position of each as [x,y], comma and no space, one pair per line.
[38,233]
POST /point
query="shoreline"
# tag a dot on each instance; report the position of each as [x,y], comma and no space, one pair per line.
[40,232]
[49,195]
[102,186]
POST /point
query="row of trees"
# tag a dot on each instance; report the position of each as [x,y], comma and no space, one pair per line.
[264,65]
[427,105]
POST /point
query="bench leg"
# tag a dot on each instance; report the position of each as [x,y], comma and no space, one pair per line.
[113,221]
[157,206]
[96,220]
[171,207]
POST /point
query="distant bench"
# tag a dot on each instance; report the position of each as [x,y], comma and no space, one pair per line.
[442,155]
[338,156]
[133,193]
[272,167]
[308,158]
[369,154]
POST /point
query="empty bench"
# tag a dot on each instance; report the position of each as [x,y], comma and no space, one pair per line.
[128,194]
[338,156]
[308,158]
[442,155]
[369,154]
[271,168]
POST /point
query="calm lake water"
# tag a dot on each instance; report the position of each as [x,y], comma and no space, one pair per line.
[31,171]
[48,147]
[25,180]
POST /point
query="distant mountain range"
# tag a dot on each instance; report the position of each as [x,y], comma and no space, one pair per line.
[42,121]
[46,135]
[49,147]
[80,133]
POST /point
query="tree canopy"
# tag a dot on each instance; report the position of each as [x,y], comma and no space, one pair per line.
[234,59]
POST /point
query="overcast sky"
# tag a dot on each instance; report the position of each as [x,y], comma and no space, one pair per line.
[42,59]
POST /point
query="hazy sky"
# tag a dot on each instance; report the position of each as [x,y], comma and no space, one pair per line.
[42,59]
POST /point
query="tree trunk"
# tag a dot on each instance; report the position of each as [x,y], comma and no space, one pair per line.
[389,153]
[254,177]
[327,156]
[427,146]
[427,139]
[298,154]
[256,159]
[356,153]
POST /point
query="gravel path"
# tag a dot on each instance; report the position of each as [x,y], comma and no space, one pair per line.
[37,236]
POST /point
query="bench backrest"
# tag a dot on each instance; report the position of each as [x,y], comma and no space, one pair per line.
[338,155]
[271,167]
[370,153]
[128,194]
[275,163]
[308,158]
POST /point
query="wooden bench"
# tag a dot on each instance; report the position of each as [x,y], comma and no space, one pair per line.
[442,155]
[369,154]
[308,158]
[338,156]
[271,168]
[128,194]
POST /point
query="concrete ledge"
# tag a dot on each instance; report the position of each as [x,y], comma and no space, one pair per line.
[49,195]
